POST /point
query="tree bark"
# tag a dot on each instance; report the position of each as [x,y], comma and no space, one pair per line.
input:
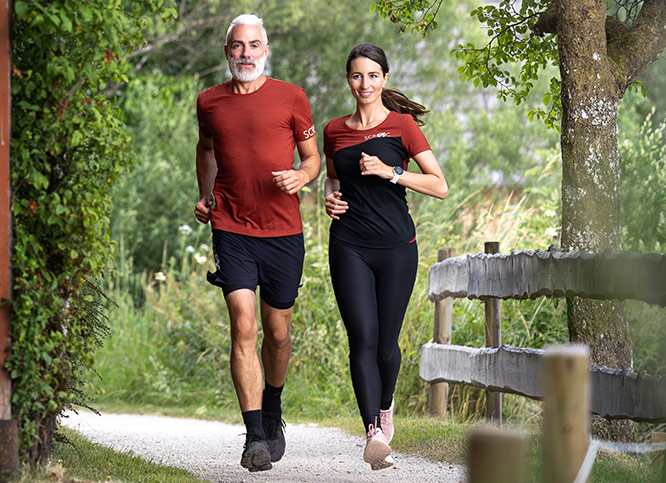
[591,92]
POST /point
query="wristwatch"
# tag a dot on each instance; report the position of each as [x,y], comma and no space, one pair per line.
[397,172]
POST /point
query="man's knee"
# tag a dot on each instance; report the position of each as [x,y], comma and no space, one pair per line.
[277,337]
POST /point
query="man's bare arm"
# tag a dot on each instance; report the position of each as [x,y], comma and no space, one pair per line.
[206,172]
[292,180]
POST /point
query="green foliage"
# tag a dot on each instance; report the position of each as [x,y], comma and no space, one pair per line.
[157,196]
[643,162]
[511,41]
[68,148]
[414,15]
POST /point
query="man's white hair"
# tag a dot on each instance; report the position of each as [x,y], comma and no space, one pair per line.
[247,19]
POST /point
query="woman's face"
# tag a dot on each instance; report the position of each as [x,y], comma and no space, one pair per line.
[366,80]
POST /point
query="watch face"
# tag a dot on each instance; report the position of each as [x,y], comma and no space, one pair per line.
[397,170]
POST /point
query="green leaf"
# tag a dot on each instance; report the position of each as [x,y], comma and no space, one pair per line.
[76,138]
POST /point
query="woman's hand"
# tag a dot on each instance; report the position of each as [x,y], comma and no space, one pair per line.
[372,165]
[335,205]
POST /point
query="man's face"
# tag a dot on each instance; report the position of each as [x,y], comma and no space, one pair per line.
[246,52]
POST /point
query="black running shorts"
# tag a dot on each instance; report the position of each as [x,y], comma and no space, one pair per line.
[275,264]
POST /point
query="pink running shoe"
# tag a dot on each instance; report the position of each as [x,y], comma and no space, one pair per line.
[377,451]
[386,421]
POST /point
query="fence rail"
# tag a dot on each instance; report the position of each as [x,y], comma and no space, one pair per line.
[531,274]
[616,394]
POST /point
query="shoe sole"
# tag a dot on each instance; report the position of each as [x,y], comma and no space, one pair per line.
[387,463]
[376,452]
[265,467]
[256,460]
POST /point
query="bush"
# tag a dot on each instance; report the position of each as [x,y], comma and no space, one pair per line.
[67,150]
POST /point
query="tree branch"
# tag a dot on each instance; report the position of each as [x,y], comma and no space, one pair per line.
[547,23]
[634,49]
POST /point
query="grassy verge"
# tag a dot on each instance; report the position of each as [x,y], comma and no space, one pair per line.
[80,461]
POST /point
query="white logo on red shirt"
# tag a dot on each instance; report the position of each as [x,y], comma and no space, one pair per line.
[309,133]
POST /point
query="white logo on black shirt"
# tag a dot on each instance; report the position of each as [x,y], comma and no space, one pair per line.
[377,135]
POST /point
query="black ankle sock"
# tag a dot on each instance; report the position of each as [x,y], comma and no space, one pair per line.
[252,420]
[272,399]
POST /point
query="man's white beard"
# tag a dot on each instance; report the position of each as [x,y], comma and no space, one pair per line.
[246,75]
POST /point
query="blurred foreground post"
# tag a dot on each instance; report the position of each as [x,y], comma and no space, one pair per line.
[566,402]
[8,428]
[496,456]
[493,339]
[439,391]
[658,437]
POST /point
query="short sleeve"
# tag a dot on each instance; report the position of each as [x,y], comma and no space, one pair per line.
[328,149]
[302,114]
[201,118]
[413,138]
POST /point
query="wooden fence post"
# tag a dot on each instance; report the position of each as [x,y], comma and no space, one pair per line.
[493,339]
[438,392]
[566,401]
[657,437]
[496,456]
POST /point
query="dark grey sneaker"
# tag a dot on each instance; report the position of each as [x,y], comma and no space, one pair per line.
[274,430]
[256,456]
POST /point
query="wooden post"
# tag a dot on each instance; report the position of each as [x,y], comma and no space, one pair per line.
[493,339]
[438,393]
[566,402]
[657,437]
[8,428]
[496,456]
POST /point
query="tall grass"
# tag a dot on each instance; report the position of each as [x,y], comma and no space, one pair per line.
[170,330]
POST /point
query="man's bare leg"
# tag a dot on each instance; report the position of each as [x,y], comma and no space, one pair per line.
[245,367]
[276,345]
[246,374]
[275,352]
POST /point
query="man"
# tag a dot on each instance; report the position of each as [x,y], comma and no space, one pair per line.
[249,128]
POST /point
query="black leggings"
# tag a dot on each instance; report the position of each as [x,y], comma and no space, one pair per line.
[372,287]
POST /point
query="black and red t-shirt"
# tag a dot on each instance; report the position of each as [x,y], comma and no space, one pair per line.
[377,212]
[254,134]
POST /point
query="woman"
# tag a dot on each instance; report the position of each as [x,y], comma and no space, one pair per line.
[373,255]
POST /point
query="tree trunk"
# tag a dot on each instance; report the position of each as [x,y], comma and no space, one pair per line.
[590,93]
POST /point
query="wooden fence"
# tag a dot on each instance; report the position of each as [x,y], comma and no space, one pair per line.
[530,274]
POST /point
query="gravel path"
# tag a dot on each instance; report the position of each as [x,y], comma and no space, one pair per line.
[211,451]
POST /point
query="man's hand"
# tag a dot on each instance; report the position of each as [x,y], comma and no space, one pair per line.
[290,180]
[202,208]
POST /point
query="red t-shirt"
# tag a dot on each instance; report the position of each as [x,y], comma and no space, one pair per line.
[254,134]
